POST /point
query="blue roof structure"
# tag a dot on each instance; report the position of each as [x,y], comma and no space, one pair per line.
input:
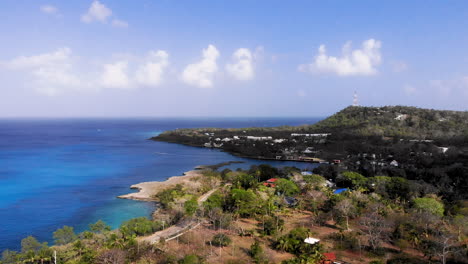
[338,191]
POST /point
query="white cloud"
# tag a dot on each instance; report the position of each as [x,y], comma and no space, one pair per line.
[115,75]
[243,66]
[352,62]
[51,72]
[59,72]
[201,74]
[59,56]
[151,72]
[119,23]
[96,12]
[49,9]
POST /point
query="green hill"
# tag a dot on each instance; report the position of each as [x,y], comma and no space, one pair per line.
[396,121]
[388,121]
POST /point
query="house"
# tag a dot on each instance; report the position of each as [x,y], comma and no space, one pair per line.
[394,163]
[290,201]
[311,240]
[443,149]
[329,184]
[304,173]
[270,182]
[328,258]
[338,191]
[279,140]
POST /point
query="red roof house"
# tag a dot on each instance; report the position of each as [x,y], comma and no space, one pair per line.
[270,182]
[328,258]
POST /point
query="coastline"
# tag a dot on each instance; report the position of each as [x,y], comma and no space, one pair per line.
[146,190]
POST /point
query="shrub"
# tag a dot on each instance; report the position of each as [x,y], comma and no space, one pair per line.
[166,197]
[346,240]
[256,252]
[314,179]
[191,206]
[221,240]
[214,201]
[139,226]
[294,243]
[405,260]
[271,225]
[429,205]
[190,259]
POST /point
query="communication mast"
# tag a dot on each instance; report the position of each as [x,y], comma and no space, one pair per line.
[355,99]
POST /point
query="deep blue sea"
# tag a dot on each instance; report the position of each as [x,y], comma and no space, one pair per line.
[56,172]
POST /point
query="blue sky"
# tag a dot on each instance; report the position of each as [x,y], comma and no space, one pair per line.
[238,58]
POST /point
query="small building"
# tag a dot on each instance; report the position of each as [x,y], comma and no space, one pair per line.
[304,173]
[311,240]
[394,163]
[329,258]
[290,201]
[338,191]
[270,182]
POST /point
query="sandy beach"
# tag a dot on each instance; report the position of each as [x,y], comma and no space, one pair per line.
[148,189]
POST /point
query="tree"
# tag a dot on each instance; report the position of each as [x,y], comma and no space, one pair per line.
[64,235]
[314,180]
[10,257]
[245,203]
[191,206]
[99,227]
[190,259]
[221,240]
[429,205]
[271,225]
[139,226]
[79,247]
[113,256]
[351,179]
[286,187]
[215,200]
[293,242]
[256,252]
[346,209]
[116,241]
[374,227]
[30,244]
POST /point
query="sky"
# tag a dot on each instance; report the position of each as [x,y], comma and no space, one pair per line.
[201,58]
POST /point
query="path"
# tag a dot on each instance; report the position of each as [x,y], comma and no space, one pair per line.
[180,228]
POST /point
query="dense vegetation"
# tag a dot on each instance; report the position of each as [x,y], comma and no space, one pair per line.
[382,219]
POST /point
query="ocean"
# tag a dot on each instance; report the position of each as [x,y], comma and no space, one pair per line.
[56,172]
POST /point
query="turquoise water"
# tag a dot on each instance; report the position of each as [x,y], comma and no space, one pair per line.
[59,172]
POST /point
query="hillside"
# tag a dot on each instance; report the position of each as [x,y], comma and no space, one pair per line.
[389,121]
[397,121]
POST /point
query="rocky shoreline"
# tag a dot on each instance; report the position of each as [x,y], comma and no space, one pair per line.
[146,190]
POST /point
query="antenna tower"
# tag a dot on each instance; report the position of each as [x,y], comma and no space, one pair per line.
[355,99]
